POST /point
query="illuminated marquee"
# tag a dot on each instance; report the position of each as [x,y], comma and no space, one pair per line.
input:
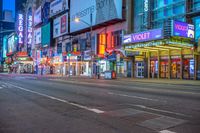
[30,30]
[20,28]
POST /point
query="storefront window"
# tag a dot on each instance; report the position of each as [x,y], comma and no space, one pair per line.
[164,69]
[175,68]
[188,68]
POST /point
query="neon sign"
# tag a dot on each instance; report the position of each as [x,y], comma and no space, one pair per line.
[149,35]
[20,28]
[183,29]
[30,30]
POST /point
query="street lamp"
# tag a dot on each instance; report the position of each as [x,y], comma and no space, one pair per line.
[77,20]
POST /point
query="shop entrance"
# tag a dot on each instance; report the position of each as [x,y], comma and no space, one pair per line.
[129,68]
[164,69]
[188,68]
[175,69]
[154,69]
[73,69]
[140,69]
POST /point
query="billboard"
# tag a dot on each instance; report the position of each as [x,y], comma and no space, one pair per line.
[11,44]
[197,29]
[29,29]
[102,11]
[37,16]
[149,35]
[58,6]
[4,46]
[183,29]
[60,26]
[37,36]
[46,35]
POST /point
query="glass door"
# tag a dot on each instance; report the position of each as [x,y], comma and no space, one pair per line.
[140,69]
[175,69]
[164,69]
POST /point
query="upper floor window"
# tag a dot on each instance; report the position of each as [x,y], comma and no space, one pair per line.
[116,39]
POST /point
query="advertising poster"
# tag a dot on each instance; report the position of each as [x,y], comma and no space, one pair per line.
[37,36]
[183,29]
[63,24]
[37,16]
[45,35]
[197,29]
[60,26]
[11,44]
[58,6]
[102,11]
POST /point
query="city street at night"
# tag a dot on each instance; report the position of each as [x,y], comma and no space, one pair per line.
[99,66]
[82,105]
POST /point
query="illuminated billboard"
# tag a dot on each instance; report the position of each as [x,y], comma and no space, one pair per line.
[60,26]
[11,47]
[29,30]
[58,6]
[149,35]
[102,11]
[183,29]
[37,16]
[37,36]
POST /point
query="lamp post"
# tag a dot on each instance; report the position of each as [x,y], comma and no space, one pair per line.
[90,39]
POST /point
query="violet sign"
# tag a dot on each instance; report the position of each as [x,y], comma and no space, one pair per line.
[183,29]
[149,35]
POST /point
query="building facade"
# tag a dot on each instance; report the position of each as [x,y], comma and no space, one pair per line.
[162,43]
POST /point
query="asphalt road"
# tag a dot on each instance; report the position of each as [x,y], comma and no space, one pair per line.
[31,105]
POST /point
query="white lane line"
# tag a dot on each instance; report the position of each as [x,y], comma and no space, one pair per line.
[163,111]
[1,87]
[124,95]
[61,100]
[4,86]
[166,131]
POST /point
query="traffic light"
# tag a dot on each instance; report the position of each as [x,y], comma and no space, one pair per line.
[16,38]
[69,54]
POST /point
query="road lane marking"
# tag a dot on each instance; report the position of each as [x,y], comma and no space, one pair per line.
[124,95]
[61,100]
[1,87]
[166,131]
[160,110]
[4,86]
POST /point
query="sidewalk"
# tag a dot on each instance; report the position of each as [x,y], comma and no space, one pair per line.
[86,78]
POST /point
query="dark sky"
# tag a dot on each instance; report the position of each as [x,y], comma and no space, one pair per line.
[9,5]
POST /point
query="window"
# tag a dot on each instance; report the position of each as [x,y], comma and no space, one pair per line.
[196,4]
[68,47]
[59,48]
[82,43]
[101,43]
[116,39]
[179,9]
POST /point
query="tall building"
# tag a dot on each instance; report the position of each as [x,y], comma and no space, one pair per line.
[6,24]
[1,9]
[163,43]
